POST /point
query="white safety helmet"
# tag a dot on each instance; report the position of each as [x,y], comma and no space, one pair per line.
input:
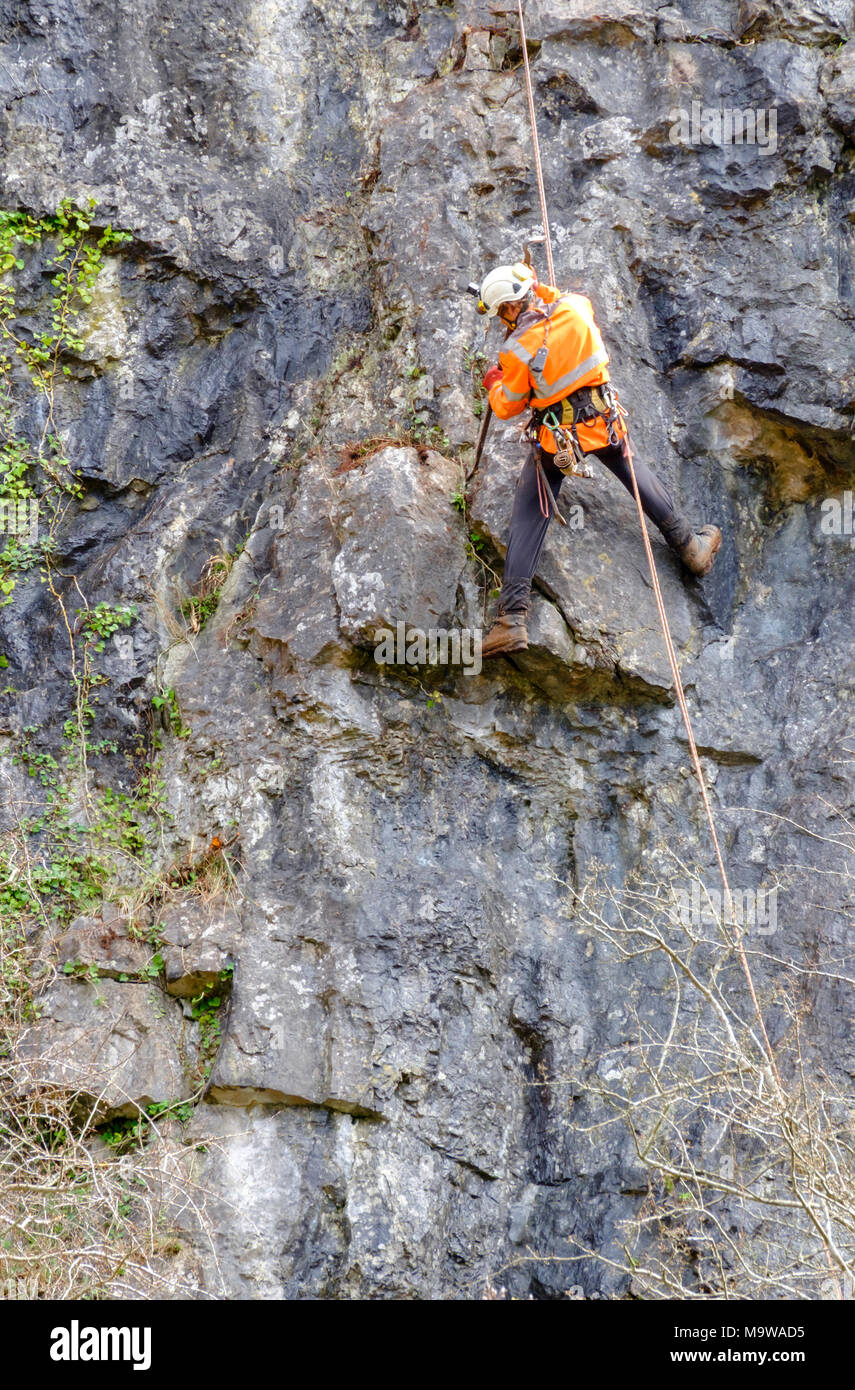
[504,285]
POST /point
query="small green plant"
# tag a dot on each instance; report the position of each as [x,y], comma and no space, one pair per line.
[102,621]
[167,704]
[207,1009]
[204,1009]
[57,887]
[475,542]
[153,935]
[475,363]
[120,822]
[124,1133]
[44,766]
[81,971]
[202,604]
[182,1110]
[429,436]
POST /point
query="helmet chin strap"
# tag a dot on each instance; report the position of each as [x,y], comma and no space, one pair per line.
[511,317]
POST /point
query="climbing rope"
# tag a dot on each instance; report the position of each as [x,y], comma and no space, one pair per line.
[663,617]
[536,147]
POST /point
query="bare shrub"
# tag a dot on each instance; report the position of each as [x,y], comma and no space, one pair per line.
[749,1161]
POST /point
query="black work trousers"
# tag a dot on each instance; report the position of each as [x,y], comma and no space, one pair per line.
[529,525]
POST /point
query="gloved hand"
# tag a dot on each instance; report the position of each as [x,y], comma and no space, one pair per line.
[491,377]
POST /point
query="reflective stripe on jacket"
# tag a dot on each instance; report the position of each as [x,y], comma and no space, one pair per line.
[575,357]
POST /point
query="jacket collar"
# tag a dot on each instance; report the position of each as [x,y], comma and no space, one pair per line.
[529,317]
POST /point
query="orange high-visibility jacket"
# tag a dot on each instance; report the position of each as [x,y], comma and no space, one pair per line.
[575,357]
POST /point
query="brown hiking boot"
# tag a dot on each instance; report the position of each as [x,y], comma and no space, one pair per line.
[700,550]
[508,634]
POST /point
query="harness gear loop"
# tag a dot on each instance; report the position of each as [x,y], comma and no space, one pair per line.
[570,458]
[615,415]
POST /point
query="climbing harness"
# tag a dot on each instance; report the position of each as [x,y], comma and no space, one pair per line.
[582,407]
[626,449]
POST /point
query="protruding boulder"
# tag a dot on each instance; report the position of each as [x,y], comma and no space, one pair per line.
[125,1045]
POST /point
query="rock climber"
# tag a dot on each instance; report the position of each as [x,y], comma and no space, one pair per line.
[554,362]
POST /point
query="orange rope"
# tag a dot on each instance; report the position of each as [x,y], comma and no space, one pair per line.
[696,762]
[663,617]
[540,188]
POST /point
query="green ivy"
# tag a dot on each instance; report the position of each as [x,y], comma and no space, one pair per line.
[38,467]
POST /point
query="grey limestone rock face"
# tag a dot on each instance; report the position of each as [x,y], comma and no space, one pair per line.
[280,361]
